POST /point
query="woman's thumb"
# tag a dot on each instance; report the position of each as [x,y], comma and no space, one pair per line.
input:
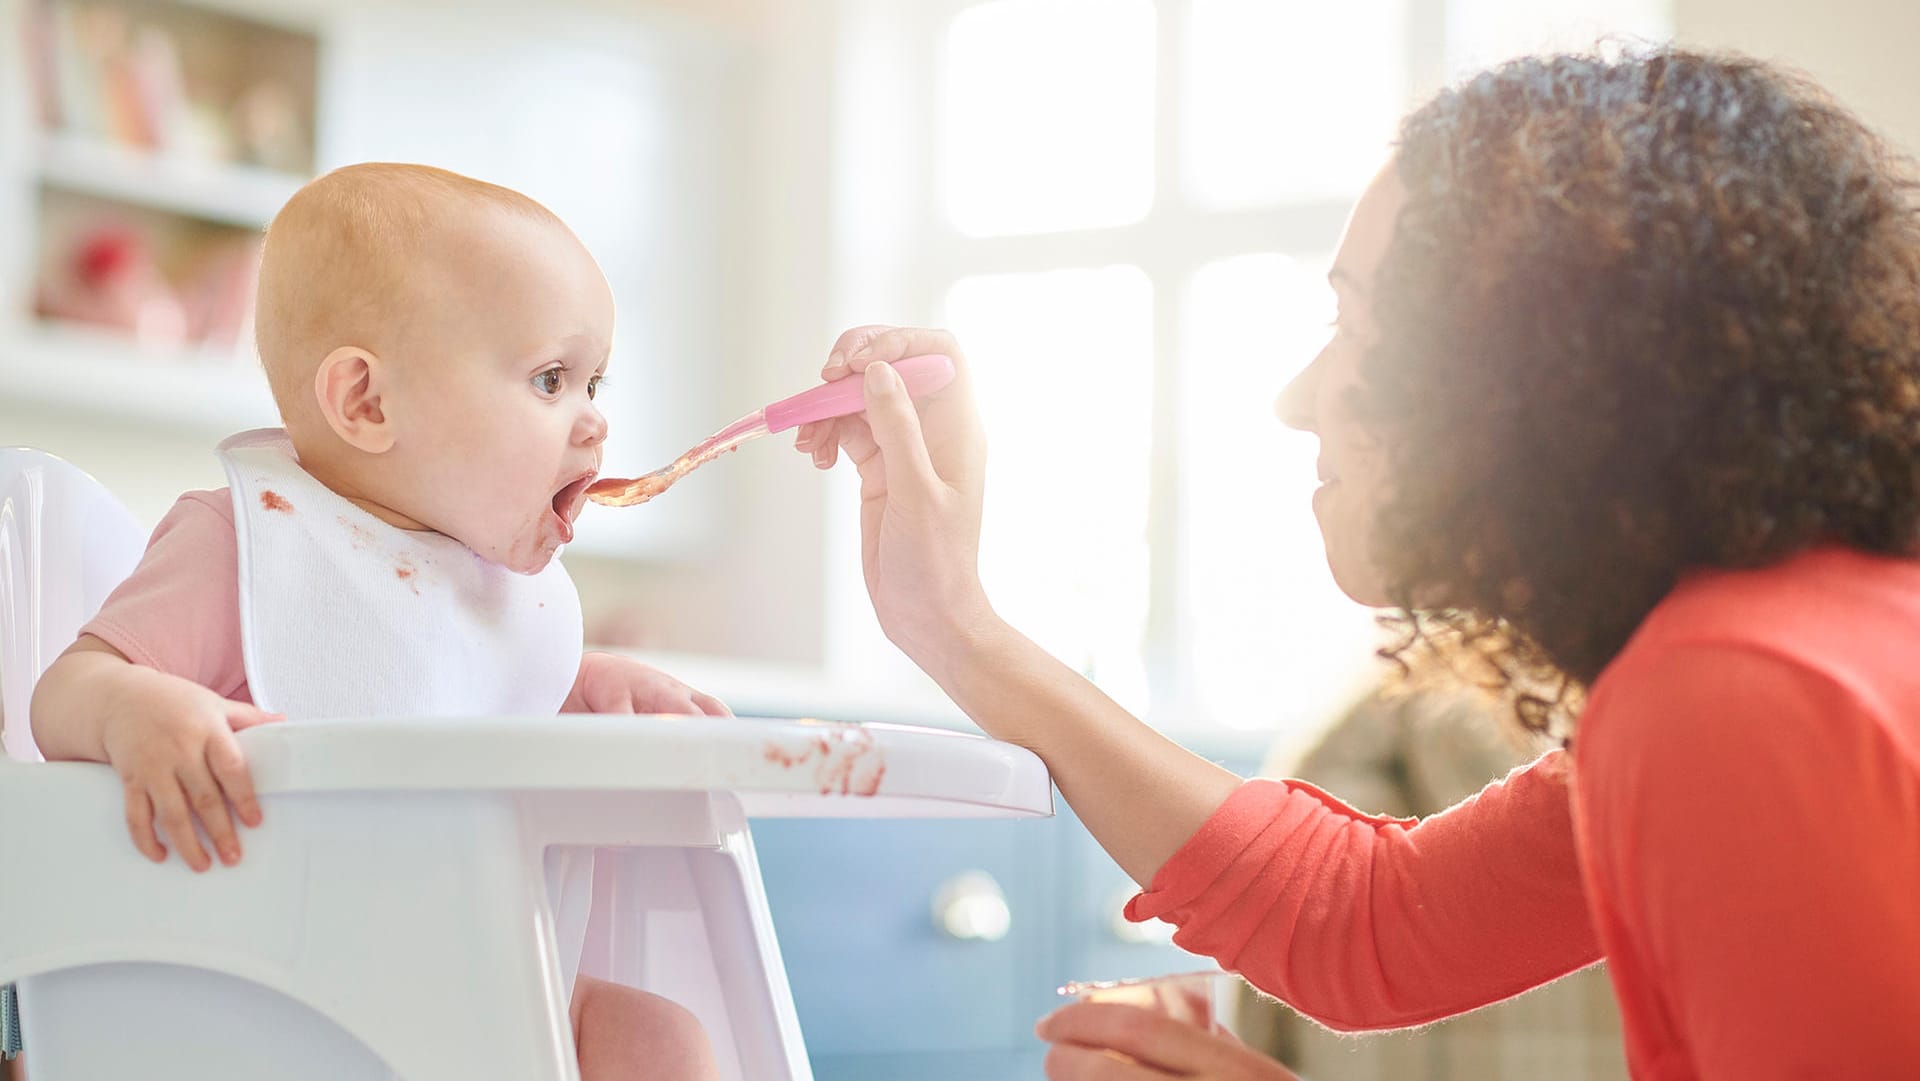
[895,424]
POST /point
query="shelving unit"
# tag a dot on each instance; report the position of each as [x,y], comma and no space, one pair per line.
[245,196]
[82,369]
[628,127]
[163,135]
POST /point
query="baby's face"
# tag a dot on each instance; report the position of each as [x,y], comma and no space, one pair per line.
[497,432]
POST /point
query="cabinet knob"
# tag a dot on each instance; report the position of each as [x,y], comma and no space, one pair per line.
[972,907]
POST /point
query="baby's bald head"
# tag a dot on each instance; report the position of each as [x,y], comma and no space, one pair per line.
[354,257]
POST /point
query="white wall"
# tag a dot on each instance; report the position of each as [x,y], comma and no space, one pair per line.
[1862,50]
[759,590]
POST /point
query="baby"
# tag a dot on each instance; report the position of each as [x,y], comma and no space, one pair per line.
[434,344]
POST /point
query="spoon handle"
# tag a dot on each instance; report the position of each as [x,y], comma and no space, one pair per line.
[922,374]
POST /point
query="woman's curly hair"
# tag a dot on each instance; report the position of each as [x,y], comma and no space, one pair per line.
[1640,315]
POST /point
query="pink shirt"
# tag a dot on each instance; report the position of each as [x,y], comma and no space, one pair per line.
[179,611]
[1742,847]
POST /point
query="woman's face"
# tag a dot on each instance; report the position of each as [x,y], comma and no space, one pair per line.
[1352,466]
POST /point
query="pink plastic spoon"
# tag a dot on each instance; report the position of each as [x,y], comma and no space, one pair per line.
[922,374]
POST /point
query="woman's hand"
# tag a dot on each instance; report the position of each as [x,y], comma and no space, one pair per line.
[922,467]
[1106,1041]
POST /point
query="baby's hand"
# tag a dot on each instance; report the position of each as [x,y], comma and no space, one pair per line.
[172,742]
[613,684]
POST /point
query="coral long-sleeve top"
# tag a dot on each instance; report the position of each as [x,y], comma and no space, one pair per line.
[1737,833]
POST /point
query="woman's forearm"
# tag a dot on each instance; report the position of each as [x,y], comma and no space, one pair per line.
[1140,794]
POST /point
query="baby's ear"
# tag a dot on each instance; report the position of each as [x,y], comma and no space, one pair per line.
[348,387]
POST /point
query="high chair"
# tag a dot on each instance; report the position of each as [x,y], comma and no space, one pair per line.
[391,915]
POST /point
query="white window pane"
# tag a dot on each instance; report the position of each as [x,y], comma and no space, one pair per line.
[1063,367]
[1274,643]
[1047,115]
[1290,101]
[1484,32]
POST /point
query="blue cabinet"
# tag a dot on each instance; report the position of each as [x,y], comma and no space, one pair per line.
[884,995]
[881,992]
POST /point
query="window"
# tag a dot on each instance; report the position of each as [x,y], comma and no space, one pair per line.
[1125,210]
[1046,119]
[1066,373]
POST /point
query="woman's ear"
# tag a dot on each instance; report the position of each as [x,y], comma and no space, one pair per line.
[349,386]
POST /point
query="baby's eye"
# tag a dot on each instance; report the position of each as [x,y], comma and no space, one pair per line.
[548,381]
[593,386]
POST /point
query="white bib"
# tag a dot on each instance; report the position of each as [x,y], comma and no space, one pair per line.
[343,615]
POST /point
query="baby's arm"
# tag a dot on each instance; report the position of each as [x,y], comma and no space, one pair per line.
[170,740]
[613,684]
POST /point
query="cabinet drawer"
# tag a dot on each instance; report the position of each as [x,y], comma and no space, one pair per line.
[852,903]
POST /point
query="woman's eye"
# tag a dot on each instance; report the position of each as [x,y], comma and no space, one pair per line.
[548,381]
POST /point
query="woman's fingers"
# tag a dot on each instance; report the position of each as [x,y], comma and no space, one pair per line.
[823,438]
[806,436]
[888,344]
[846,345]
[953,436]
[1139,1033]
[952,429]
[895,425]
[1159,1042]
[1067,1062]
[827,450]
[855,437]
[820,440]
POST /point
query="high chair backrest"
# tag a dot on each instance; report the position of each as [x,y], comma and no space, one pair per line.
[65,543]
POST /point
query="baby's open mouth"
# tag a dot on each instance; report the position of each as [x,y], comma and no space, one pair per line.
[569,501]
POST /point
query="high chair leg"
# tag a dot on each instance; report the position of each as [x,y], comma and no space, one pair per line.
[692,924]
[471,986]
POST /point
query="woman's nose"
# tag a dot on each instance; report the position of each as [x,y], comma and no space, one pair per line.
[1296,403]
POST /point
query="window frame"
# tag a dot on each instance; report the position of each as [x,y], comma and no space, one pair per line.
[927,254]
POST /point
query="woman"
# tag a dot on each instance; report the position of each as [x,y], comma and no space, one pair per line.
[1624,402]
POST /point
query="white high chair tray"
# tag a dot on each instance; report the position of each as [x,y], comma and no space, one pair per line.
[777,768]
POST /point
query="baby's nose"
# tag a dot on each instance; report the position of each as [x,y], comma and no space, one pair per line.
[592,428]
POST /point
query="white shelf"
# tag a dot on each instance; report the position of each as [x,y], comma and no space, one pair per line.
[100,374]
[240,195]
